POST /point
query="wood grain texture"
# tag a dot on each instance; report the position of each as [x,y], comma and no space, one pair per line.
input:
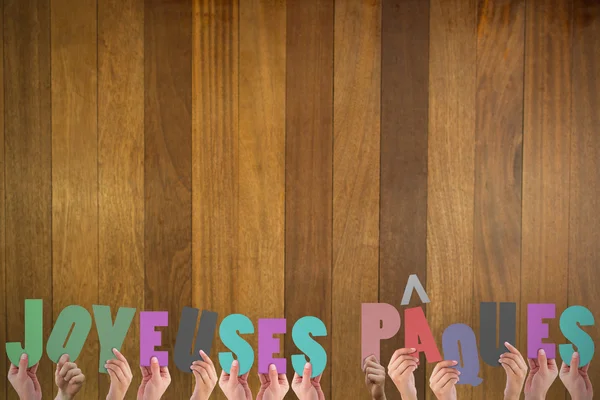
[356,121]
[168,169]
[215,162]
[3,360]
[261,158]
[451,145]
[498,169]
[309,162]
[584,227]
[546,154]
[403,197]
[75,169]
[121,169]
[28,152]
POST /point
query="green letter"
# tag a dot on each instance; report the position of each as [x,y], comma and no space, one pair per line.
[34,324]
[111,336]
[82,319]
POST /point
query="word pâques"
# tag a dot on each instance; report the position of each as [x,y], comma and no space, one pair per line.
[74,323]
[382,321]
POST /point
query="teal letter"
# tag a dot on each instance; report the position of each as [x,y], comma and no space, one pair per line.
[231,325]
[34,324]
[576,335]
[301,335]
[111,336]
[71,315]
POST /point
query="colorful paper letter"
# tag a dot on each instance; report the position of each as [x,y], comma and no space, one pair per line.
[34,324]
[71,315]
[269,345]
[418,335]
[568,325]
[111,336]
[151,338]
[537,330]
[301,335]
[463,334]
[490,351]
[185,336]
[379,321]
[414,284]
[228,332]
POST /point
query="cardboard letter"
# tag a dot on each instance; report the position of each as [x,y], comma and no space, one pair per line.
[269,345]
[463,334]
[34,324]
[228,332]
[417,334]
[537,330]
[151,338]
[568,325]
[490,351]
[414,284]
[71,315]
[185,336]
[301,335]
[379,321]
[111,336]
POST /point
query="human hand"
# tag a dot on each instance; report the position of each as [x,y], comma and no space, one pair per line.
[443,380]
[401,370]
[235,387]
[155,381]
[206,377]
[516,372]
[576,379]
[307,388]
[68,378]
[542,372]
[120,376]
[374,377]
[273,386]
[24,380]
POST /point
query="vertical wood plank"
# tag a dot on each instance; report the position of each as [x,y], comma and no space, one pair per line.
[28,151]
[546,150]
[215,161]
[75,169]
[168,169]
[584,255]
[121,168]
[404,115]
[451,143]
[356,121]
[261,157]
[3,361]
[498,168]
[309,162]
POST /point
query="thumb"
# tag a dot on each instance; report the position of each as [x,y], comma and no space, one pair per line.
[307,373]
[234,371]
[155,368]
[574,364]
[23,365]
[542,360]
[273,375]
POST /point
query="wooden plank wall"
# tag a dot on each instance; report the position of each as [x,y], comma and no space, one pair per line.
[283,158]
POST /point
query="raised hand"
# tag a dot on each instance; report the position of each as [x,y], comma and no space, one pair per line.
[307,388]
[273,386]
[516,372]
[401,370]
[24,380]
[68,378]
[374,377]
[206,377]
[235,387]
[576,379]
[443,380]
[155,381]
[120,376]
[542,373]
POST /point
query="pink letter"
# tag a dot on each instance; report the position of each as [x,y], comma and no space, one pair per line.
[379,321]
[538,330]
[150,338]
[269,345]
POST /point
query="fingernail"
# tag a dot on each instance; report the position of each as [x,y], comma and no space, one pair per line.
[202,352]
[542,352]
[154,360]
[272,367]
[454,362]
[307,366]
[575,355]
[506,343]
[234,363]
[23,356]
[413,349]
[459,372]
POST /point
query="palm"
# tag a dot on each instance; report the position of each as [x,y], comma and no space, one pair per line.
[532,379]
[30,387]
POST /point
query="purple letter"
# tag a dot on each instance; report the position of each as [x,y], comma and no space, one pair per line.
[269,345]
[150,338]
[379,321]
[538,330]
[463,334]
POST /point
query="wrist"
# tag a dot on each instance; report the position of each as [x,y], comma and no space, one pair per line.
[408,396]
[380,397]
[535,396]
[62,396]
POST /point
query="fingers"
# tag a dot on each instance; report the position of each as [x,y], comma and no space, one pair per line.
[155,368]
[371,359]
[72,373]
[77,380]
[68,366]
[145,371]
[23,365]
[234,371]
[517,359]
[206,358]
[574,364]
[62,361]
[399,353]
[542,360]
[208,369]
[532,363]
[513,367]
[306,373]
[443,369]
[116,372]
[402,363]
[201,373]
[273,376]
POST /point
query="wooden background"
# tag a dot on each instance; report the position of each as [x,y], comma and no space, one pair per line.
[289,158]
